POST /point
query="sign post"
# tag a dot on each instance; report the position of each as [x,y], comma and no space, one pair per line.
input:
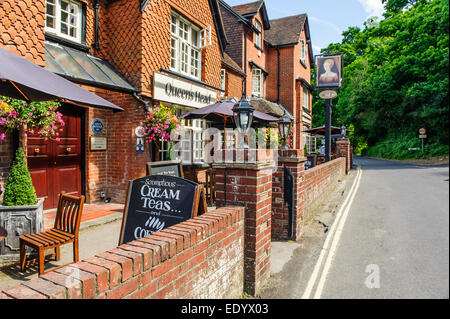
[328,79]
[422,135]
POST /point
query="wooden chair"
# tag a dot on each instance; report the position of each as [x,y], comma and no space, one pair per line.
[211,186]
[67,224]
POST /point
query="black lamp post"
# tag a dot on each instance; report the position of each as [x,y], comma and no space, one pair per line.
[243,117]
[284,127]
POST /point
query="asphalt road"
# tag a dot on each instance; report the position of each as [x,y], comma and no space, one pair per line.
[395,241]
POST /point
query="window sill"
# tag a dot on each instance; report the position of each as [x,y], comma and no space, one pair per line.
[303,63]
[74,45]
[259,48]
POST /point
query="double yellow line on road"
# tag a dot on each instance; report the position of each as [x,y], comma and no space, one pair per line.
[331,244]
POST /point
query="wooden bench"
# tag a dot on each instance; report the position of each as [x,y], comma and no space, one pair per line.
[65,230]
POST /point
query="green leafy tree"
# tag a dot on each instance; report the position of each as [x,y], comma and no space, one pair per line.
[395,80]
[19,189]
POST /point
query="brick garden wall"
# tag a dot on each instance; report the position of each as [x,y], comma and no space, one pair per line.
[197,259]
[317,183]
[311,187]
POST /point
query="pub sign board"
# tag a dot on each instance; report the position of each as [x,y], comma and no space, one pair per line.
[329,71]
[155,203]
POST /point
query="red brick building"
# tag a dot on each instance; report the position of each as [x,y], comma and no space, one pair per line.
[139,53]
[276,58]
[124,51]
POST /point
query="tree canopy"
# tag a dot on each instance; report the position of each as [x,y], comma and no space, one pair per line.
[395,80]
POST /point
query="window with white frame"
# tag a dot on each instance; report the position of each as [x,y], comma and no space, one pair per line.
[63,18]
[303,51]
[223,81]
[192,143]
[257,82]
[185,51]
[258,35]
[305,98]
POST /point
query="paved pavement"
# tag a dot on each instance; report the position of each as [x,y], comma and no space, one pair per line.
[96,235]
[391,241]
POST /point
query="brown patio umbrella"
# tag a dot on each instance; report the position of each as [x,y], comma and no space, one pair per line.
[24,80]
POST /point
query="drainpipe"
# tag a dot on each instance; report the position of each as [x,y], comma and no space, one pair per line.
[278,80]
[96,7]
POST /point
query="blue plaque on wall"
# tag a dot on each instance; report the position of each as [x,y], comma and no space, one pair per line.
[97,126]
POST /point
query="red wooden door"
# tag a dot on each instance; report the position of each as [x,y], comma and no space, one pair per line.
[55,166]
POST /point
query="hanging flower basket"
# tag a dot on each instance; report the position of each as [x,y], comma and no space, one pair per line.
[160,125]
[41,118]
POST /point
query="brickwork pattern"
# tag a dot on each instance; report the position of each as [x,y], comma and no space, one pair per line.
[22,28]
[197,259]
[233,84]
[316,185]
[311,187]
[251,187]
[294,161]
[343,149]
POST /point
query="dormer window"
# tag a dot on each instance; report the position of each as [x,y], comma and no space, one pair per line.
[63,18]
[258,35]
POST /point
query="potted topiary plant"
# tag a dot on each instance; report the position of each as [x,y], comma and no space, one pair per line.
[21,212]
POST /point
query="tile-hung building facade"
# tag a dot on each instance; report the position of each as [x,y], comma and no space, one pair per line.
[136,54]
[276,58]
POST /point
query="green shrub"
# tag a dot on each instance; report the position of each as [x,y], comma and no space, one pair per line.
[19,189]
[397,147]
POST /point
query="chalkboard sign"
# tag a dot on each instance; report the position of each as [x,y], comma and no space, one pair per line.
[167,168]
[157,202]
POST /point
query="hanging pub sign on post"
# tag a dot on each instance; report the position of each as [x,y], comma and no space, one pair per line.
[329,70]
[157,202]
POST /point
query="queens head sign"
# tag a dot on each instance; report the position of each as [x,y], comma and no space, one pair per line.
[329,71]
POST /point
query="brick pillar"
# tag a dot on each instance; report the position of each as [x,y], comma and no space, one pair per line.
[249,185]
[343,150]
[295,162]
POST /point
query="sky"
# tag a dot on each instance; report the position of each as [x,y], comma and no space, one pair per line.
[327,18]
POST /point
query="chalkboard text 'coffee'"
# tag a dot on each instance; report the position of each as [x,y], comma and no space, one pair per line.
[157,202]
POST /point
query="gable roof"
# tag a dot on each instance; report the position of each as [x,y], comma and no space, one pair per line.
[286,31]
[249,10]
[231,64]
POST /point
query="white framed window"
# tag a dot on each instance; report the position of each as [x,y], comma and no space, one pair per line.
[185,48]
[63,18]
[223,81]
[305,98]
[206,37]
[192,142]
[303,51]
[257,82]
[258,35]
